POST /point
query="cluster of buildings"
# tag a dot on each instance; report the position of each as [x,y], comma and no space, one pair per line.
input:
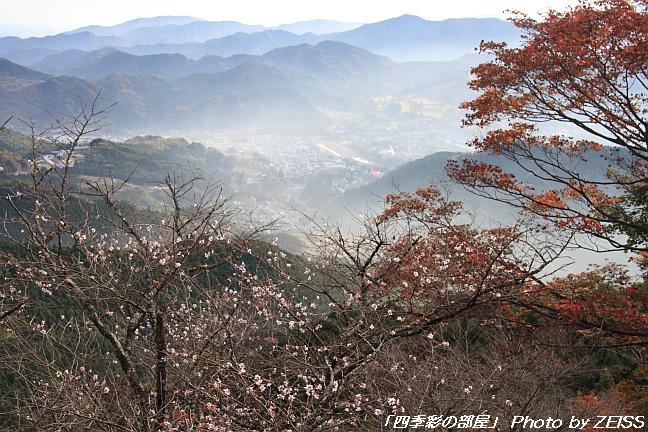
[57,158]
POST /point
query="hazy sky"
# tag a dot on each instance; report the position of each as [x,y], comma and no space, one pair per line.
[38,17]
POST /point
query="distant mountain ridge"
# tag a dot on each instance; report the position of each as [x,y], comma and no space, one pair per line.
[180,24]
[195,32]
[318,27]
[272,79]
[296,86]
[99,64]
[237,43]
[411,38]
[9,69]
[320,59]
[125,27]
[405,38]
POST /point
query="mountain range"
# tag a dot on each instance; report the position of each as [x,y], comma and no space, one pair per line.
[405,38]
[185,76]
[295,86]
[192,29]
